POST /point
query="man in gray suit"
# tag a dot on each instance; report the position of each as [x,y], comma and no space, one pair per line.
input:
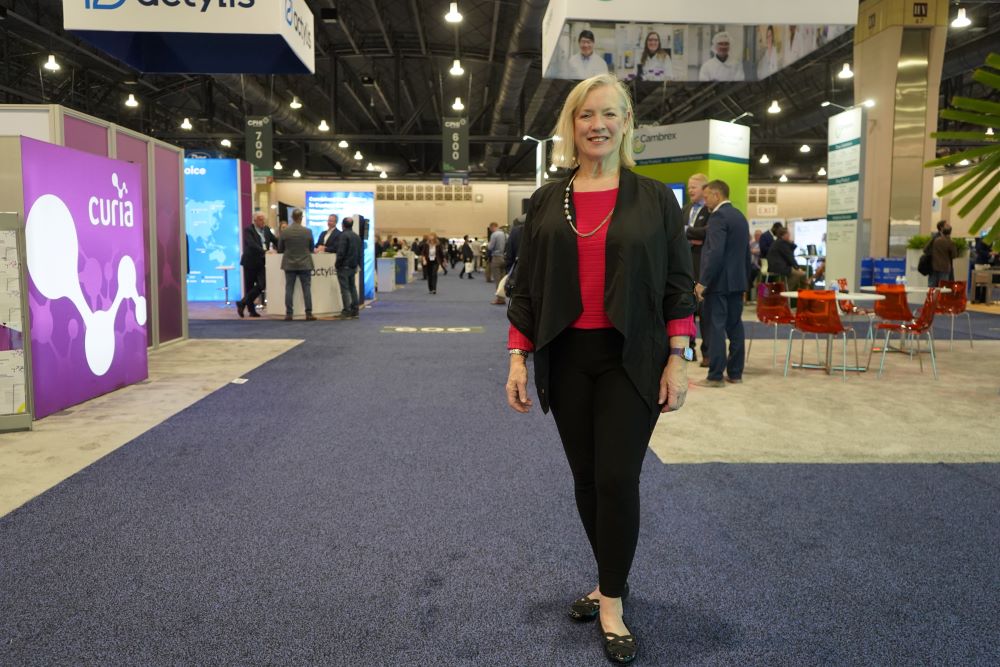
[725,271]
[296,246]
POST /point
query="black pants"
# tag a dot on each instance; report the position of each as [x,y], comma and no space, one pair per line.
[253,285]
[432,275]
[723,312]
[604,425]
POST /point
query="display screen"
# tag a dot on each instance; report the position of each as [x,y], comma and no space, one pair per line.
[321,204]
[212,220]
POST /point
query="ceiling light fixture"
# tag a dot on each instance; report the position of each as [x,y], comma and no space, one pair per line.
[764,159]
[805,148]
[382,174]
[278,166]
[456,68]
[775,107]
[226,143]
[868,104]
[323,127]
[295,104]
[296,174]
[358,156]
[131,101]
[783,179]
[458,106]
[552,167]
[370,167]
[453,16]
[821,172]
[989,132]
[964,163]
[343,144]
[186,124]
[961,21]
[845,72]
[51,64]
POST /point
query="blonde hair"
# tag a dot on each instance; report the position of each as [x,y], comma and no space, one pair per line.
[564,152]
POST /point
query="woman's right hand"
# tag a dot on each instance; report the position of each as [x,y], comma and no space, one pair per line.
[517,384]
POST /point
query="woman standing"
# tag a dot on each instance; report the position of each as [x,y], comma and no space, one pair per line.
[768,63]
[656,63]
[604,298]
[431,256]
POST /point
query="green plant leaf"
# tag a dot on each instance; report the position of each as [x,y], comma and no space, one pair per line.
[986,120]
[977,198]
[984,170]
[971,174]
[993,60]
[972,104]
[964,136]
[987,78]
[967,154]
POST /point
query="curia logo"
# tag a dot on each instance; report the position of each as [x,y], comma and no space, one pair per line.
[112,212]
[103,4]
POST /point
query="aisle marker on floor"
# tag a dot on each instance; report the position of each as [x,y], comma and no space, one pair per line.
[443,330]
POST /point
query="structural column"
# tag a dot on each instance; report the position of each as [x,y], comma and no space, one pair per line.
[898,55]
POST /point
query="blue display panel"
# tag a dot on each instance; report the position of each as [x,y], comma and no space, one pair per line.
[212,221]
[319,206]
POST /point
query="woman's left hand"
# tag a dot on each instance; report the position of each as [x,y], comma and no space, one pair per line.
[673,384]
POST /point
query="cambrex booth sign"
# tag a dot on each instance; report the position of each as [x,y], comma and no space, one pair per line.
[199,36]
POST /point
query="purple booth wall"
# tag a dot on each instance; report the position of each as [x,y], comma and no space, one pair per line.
[85,136]
[167,166]
[135,151]
[85,257]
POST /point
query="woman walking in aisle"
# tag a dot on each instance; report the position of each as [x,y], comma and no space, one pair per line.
[604,297]
[432,255]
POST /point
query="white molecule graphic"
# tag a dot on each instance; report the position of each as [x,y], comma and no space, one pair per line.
[53,252]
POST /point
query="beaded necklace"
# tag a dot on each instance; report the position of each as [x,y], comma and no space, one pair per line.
[569,216]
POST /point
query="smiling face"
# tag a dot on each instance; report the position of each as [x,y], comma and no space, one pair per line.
[599,124]
[586,47]
[652,43]
[722,50]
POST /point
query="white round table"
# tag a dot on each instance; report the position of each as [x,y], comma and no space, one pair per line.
[908,289]
[844,296]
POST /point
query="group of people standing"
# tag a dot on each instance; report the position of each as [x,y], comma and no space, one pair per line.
[296,245]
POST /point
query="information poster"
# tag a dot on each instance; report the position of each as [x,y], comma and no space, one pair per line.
[321,204]
[845,157]
[12,373]
[211,204]
[85,250]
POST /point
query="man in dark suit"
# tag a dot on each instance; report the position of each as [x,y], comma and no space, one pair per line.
[695,215]
[349,258]
[725,268]
[258,239]
[327,241]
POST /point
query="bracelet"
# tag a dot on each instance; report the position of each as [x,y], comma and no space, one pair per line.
[520,353]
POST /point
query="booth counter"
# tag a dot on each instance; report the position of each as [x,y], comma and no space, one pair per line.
[325,287]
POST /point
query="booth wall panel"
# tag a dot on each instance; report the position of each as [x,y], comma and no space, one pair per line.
[167,166]
[135,151]
[32,123]
[86,136]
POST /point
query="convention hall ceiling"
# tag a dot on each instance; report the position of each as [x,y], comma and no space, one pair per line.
[382,82]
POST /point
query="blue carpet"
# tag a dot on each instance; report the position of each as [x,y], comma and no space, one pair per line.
[367,498]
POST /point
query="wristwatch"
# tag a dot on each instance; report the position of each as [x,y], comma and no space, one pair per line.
[686,352]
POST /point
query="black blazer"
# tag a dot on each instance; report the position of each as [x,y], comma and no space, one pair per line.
[781,258]
[253,249]
[725,258]
[349,250]
[647,278]
[696,232]
[329,239]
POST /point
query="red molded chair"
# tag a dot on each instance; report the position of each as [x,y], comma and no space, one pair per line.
[816,313]
[849,308]
[772,310]
[953,304]
[922,324]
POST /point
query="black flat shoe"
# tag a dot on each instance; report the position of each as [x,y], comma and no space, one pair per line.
[587,608]
[619,648]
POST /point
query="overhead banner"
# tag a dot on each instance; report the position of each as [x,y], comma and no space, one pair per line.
[455,144]
[85,252]
[212,221]
[199,36]
[260,144]
[674,41]
[845,237]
